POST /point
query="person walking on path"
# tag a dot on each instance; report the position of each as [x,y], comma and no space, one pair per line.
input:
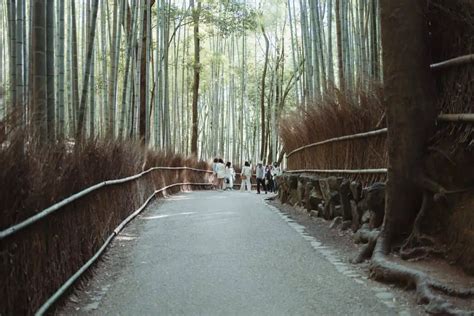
[245,176]
[214,173]
[276,172]
[260,171]
[229,176]
[220,170]
[269,178]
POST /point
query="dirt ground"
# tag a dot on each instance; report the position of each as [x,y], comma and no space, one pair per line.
[342,242]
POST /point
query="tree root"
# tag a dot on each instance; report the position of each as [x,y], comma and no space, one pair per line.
[366,252]
[370,238]
[443,154]
[419,246]
[384,270]
[421,253]
[364,235]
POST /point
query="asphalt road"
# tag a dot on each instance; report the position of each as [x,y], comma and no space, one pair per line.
[223,253]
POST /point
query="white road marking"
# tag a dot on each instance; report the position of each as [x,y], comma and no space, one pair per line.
[167,215]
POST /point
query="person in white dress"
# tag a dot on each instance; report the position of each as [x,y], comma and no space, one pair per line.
[229,176]
[245,176]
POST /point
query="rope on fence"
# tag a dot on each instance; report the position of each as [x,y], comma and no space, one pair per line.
[337,139]
[348,171]
[11,230]
[44,308]
[466,59]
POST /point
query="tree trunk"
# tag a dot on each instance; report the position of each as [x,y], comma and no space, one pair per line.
[75,74]
[114,51]
[262,95]
[197,66]
[12,51]
[60,69]
[85,85]
[19,53]
[144,73]
[340,63]
[130,44]
[50,69]
[409,91]
[39,85]
[104,90]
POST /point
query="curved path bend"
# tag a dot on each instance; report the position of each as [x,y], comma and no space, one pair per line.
[222,253]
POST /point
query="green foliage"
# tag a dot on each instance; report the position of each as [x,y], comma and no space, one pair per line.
[229,17]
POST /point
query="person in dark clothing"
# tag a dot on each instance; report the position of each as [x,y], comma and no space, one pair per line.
[260,174]
[269,179]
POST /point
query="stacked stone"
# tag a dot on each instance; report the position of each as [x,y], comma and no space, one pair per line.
[339,199]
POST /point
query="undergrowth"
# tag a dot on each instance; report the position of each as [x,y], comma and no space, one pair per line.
[34,177]
[336,114]
[38,259]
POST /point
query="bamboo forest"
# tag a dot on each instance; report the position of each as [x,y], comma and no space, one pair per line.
[211,78]
[236,157]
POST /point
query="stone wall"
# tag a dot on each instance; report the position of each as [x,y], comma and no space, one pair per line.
[333,197]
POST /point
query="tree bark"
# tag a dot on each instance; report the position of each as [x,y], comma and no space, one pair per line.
[409,91]
[74,70]
[85,85]
[262,94]
[144,73]
[197,66]
[340,63]
[39,70]
[11,9]
[50,69]
[20,42]
[60,70]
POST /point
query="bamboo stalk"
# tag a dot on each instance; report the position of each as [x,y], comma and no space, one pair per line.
[462,117]
[346,171]
[42,214]
[337,139]
[461,60]
[44,308]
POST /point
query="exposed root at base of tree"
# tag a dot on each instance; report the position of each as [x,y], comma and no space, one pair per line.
[384,270]
[421,253]
[419,246]
[416,247]
[370,238]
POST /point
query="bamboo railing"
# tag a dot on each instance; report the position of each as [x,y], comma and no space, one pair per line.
[53,208]
[460,117]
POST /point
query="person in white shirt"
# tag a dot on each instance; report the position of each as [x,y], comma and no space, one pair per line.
[220,170]
[245,176]
[275,173]
[229,176]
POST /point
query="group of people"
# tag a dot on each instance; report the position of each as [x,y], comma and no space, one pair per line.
[224,176]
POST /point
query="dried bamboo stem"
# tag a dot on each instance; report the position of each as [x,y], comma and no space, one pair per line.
[461,60]
[463,117]
[337,139]
[27,222]
[347,171]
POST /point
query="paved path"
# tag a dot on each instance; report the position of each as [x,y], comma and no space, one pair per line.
[221,253]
